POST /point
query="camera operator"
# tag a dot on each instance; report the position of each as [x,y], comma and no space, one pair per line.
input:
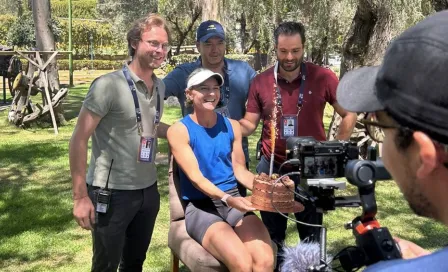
[407,98]
[301,91]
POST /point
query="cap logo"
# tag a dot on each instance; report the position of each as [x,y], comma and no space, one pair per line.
[211,27]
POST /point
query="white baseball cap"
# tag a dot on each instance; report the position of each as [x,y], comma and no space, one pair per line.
[200,75]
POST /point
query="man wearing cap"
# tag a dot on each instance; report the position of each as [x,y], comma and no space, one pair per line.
[407,98]
[210,42]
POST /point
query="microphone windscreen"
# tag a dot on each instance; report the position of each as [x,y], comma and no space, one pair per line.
[301,257]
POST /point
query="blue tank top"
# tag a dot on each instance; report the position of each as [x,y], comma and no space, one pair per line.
[213,150]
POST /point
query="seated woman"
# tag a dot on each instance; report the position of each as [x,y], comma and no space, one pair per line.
[208,149]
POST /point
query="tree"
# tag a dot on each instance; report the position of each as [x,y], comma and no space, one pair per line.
[439,4]
[124,12]
[45,41]
[21,33]
[368,36]
[182,16]
[211,9]
[254,27]
[374,25]
[11,7]
[364,45]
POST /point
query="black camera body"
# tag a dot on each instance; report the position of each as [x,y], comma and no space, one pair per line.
[321,159]
[335,159]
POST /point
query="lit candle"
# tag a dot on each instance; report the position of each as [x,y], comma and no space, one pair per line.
[273,132]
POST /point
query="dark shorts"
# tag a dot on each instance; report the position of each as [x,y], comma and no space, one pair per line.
[201,214]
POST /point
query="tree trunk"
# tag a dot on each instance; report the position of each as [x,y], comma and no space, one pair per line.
[210,10]
[272,56]
[243,34]
[182,34]
[364,45]
[318,53]
[439,4]
[19,8]
[368,36]
[45,42]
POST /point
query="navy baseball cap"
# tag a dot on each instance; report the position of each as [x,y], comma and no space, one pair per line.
[411,84]
[209,29]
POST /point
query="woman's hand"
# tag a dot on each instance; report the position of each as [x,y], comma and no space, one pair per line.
[240,203]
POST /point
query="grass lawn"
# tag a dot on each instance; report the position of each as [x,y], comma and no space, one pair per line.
[38,233]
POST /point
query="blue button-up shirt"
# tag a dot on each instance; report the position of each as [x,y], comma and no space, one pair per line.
[239,75]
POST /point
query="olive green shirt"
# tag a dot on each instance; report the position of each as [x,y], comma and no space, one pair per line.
[116,136]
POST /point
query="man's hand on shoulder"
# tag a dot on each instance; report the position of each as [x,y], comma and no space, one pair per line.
[162,130]
[176,133]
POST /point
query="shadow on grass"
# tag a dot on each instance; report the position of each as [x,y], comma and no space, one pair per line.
[162,179]
[34,207]
[30,155]
[73,102]
[31,209]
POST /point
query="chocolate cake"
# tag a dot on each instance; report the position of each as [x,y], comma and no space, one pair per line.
[283,194]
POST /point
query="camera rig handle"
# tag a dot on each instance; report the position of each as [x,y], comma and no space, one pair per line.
[361,173]
[374,243]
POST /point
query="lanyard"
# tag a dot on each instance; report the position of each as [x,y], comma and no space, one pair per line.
[138,113]
[301,88]
[225,90]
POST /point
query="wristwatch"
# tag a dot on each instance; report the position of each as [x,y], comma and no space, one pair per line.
[224,199]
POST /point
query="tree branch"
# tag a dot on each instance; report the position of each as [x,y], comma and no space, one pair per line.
[245,51]
[439,4]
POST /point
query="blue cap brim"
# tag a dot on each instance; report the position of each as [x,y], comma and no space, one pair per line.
[211,35]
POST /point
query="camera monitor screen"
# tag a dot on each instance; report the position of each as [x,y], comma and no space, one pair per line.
[320,167]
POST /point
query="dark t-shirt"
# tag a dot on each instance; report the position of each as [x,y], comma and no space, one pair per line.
[320,88]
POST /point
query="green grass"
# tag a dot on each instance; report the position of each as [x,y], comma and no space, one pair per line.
[38,233]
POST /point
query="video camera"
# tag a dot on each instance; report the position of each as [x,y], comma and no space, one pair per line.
[321,159]
[335,159]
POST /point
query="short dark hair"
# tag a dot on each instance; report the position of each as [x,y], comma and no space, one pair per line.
[404,138]
[289,29]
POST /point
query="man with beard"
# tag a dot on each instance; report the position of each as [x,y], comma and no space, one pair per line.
[408,100]
[122,113]
[299,91]
[211,44]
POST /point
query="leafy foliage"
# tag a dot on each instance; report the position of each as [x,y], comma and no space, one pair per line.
[88,64]
[183,19]
[184,58]
[123,12]
[6,21]
[21,32]
[105,42]
[85,9]
[249,24]
[9,7]
[85,64]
